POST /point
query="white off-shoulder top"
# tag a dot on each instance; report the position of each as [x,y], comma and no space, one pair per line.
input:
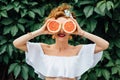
[61,66]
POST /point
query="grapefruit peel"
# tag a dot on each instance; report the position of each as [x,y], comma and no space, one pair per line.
[53,26]
[69,26]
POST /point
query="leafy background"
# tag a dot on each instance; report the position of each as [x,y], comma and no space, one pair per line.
[17,17]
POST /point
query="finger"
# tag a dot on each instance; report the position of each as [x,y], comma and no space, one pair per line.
[74,20]
[50,33]
[49,20]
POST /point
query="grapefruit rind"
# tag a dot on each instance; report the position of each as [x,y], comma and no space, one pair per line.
[53,29]
[73,25]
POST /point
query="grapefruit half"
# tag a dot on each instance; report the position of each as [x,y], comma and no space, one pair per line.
[53,26]
[69,26]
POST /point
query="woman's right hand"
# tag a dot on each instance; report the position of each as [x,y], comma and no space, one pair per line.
[44,29]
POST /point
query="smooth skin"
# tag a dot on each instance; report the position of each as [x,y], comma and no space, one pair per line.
[61,46]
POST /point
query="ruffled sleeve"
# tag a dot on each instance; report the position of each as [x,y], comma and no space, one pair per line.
[34,58]
[88,59]
[96,57]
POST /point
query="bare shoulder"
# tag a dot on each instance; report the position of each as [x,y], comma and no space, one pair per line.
[44,45]
[47,48]
[79,46]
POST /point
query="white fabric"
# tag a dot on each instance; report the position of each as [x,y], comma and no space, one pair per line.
[61,66]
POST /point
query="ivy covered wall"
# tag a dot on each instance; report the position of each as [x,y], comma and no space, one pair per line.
[18,17]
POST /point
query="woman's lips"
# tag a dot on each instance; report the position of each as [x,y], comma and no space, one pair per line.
[61,35]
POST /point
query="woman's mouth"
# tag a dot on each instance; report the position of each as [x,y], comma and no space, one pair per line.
[61,35]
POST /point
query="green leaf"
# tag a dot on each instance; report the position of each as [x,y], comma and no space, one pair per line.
[31,73]
[100,3]
[109,13]
[31,14]
[106,74]
[118,52]
[98,11]
[12,0]
[42,11]
[2,8]
[118,68]
[111,44]
[4,13]
[23,12]
[3,49]
[16,3]
[21,27]
[106,27]
[14,30]
[6,30]
[6,21]
[88,11]
[6,59]
[33,3]
[85,2]
[24,1]
[84,77]
[35,26]
[117,5]
[78,13]
[107,55]
[4,1]
[110,64]
[100,8]
[81,22]
[115,25]
[36,11]
[98,72]
[76,1]
[9,7]
[117,62]
[114,70]
[91,25]
[10,49]
[117,43]
[11,67]
[92,76]
[43,37]
[109,5]
[24,72]
[3,41]
[22,20]
[17,70]
[16,9]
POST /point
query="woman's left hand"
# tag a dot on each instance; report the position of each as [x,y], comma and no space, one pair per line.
[78,30]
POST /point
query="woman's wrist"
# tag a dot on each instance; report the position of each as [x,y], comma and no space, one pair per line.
[82,33]
[34,34]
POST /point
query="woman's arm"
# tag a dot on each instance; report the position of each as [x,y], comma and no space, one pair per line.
[20,42]
[101,44]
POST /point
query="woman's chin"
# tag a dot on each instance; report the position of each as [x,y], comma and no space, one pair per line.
[61,39]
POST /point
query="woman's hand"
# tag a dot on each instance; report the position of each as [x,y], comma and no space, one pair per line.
[78,30]
[43,29]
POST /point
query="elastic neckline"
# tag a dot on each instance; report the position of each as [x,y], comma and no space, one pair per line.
[45,55]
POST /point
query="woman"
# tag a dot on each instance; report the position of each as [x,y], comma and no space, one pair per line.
[61,60]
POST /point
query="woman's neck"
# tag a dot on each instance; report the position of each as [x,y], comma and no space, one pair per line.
[61,45]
